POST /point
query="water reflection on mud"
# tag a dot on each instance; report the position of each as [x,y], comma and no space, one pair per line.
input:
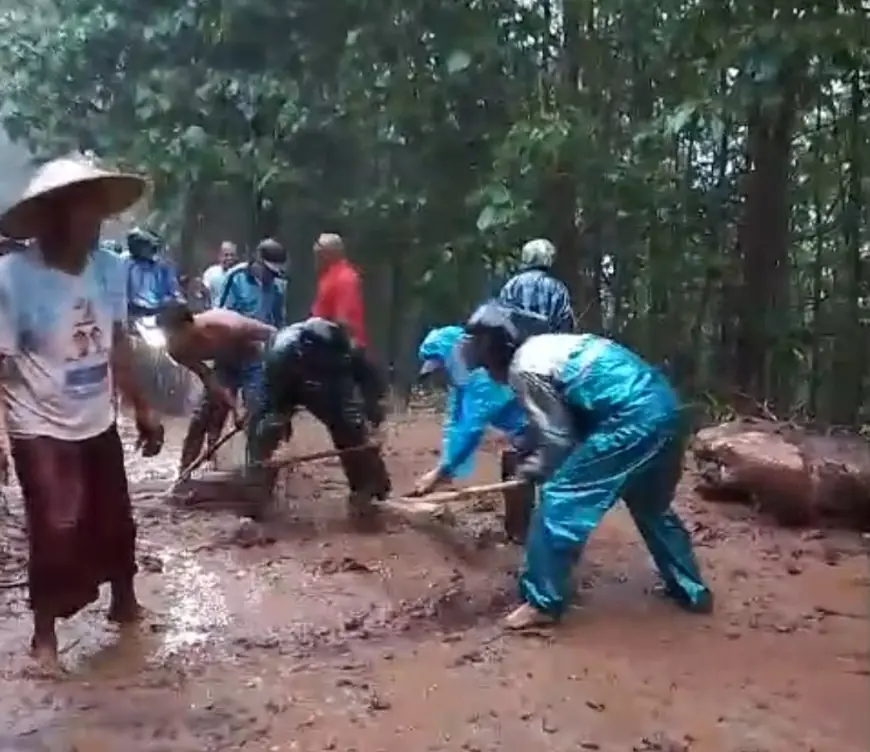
[196,607]
[324,638]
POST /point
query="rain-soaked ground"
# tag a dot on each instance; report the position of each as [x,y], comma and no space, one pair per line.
[330,639]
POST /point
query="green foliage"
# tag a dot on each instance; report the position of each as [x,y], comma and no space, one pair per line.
[438,136]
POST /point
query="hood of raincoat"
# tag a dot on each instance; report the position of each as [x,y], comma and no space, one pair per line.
[440,349]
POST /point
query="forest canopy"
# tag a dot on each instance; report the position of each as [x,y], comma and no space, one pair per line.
[701,166]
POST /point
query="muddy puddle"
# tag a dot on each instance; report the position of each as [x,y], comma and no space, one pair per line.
[314,636]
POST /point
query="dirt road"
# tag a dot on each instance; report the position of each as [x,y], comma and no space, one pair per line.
[326,639]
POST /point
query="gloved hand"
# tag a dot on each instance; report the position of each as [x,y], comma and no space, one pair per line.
[427,482]
[531,469]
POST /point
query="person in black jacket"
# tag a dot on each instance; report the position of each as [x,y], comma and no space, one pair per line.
[313,365]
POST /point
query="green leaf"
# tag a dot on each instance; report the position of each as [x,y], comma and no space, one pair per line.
[680,118]
[458,61]
[194,136]
[487,218]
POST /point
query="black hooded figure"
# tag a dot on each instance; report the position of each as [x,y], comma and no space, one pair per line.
[313,365]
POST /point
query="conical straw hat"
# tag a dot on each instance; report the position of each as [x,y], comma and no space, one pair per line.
[114,191]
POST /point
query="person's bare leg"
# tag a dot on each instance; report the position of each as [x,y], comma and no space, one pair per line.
[124,607]
[206,419]
[192,444]
[43,645]
[212,437]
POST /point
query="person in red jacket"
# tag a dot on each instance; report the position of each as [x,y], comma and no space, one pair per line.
[339,288]
[339,296]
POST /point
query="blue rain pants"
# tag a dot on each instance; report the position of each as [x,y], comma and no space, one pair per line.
[625,457]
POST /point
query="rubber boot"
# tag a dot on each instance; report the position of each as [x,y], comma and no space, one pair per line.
[519,503]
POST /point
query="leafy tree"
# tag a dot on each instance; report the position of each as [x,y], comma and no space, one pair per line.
[701,166]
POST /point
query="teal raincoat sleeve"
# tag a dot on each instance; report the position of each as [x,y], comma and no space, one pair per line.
[474,402]
[472,408]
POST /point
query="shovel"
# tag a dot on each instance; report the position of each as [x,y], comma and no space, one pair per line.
[435,503]
[203,458]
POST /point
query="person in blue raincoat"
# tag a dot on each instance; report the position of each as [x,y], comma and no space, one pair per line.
[474,403]
[151,279]
[608,427]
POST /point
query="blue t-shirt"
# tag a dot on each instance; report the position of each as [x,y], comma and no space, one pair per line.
[243,293]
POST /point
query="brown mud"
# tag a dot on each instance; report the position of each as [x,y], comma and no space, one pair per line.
[312,636]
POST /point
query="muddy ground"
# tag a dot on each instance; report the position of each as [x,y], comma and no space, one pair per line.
[330,639]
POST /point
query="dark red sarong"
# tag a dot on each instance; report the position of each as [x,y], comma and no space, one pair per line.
[79,519]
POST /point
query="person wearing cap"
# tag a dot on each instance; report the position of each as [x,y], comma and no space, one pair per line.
[63,309]
[474,403]
[536,290]
[253,290]
[315,365]
[151,278]
[607,426]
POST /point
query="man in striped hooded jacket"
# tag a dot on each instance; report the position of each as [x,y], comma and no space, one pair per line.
[535,290]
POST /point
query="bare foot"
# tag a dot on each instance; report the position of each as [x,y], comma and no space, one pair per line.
[125,611]
[46,663]
[527,616]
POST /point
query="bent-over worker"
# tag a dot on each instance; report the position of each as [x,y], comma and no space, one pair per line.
[220,335]
[608,426]
[314,365]
[474,403]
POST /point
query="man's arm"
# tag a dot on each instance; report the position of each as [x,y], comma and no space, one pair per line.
[567,322]
[227,295]
[5,447]
[279,314]
[372,385]
[8,347]
[122,369]
[348,307]
[552,424]
[255,331]
[202,371]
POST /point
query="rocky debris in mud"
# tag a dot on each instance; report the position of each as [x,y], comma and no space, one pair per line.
[151,563]
[251,533]
[331,565]
[797,476]
[457,606]
[661,743]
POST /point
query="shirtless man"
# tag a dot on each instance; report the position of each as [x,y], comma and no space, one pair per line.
[234,342]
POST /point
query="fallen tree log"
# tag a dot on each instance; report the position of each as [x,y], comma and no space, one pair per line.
[800,477]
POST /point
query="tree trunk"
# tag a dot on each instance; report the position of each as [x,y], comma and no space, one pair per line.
[851,344]
[763,236]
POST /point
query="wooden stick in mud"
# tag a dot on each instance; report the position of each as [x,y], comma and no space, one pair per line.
[323,455]
[435,502]
[204,457]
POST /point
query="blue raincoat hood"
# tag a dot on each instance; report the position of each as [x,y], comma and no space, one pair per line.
[474,402]
[440,348]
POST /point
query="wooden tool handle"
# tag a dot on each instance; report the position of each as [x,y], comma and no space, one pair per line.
[444,497]
[322,455]
[206,456]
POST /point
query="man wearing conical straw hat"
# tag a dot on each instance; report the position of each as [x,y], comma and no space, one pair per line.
[62,350]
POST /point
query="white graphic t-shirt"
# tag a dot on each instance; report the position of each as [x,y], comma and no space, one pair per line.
[56,339]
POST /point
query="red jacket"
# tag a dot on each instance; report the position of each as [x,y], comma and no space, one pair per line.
[339,298]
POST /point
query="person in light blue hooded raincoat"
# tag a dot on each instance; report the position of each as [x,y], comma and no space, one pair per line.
[474,403]
[608,426]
